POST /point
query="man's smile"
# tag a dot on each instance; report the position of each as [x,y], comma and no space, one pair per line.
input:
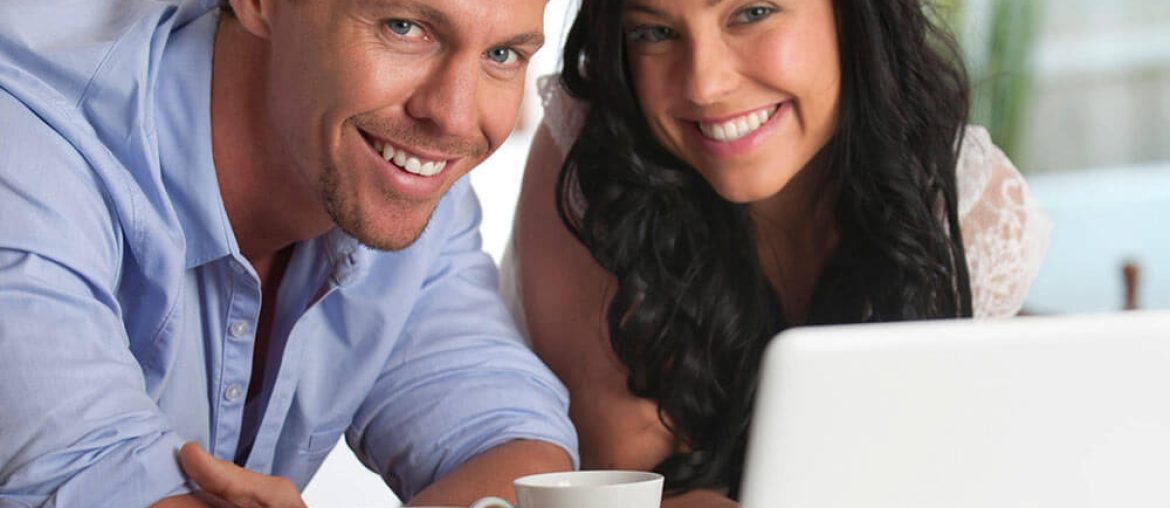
[407,159]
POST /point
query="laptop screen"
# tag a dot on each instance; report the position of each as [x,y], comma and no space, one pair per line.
[1044,411]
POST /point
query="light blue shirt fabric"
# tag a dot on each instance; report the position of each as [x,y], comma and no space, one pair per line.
[127,312]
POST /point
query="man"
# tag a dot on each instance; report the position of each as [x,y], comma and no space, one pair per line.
[250,230]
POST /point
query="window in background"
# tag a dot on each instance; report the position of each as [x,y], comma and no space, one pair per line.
[1077,92]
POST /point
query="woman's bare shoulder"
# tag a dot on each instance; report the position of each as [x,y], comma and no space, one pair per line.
[566,295]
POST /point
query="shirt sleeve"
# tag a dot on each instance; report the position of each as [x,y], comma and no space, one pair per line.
[1005,233]
[77,427]
[460,380]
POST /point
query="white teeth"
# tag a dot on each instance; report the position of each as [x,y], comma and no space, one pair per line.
[409,162]
[743,127]
[730,131]
[753,122]
[736,128]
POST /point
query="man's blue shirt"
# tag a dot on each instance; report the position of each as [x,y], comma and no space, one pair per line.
[127,313]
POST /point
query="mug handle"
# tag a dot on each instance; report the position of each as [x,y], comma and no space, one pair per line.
[491,502]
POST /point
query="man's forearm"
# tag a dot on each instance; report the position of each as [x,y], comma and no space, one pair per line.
[491,473]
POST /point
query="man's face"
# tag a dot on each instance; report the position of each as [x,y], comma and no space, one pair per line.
[381,105]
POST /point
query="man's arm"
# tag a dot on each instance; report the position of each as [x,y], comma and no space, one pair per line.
[491,473]
[77,426]
[460,382]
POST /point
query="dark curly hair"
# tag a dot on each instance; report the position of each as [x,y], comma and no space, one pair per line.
[693,310]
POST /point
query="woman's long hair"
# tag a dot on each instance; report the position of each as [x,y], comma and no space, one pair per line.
[693,310]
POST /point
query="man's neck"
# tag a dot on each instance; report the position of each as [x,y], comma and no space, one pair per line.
[268,203]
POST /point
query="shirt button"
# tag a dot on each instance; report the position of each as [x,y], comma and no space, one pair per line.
[233,392]
[239,329]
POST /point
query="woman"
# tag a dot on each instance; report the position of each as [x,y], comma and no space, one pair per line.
[713,172]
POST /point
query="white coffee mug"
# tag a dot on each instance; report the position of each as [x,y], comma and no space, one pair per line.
[583,489]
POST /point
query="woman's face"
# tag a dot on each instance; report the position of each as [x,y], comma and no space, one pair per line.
[745,91]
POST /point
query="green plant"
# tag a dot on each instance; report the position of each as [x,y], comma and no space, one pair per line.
[999,40]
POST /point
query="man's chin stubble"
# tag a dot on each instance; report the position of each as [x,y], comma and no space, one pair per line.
[349,219]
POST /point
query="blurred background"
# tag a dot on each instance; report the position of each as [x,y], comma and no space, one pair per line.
[1076,92]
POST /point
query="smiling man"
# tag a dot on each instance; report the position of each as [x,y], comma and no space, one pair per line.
[248,226]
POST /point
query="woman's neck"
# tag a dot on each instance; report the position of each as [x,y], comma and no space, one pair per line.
[796,233]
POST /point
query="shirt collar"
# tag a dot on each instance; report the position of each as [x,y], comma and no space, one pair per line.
[348,257]
[183,126]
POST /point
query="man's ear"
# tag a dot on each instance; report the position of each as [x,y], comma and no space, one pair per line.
[254,15]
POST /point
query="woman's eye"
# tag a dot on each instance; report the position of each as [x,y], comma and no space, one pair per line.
[650,34]
[404,28]
[754,14]
[503,56]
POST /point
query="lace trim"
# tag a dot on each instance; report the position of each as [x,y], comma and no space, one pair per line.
[1005,233]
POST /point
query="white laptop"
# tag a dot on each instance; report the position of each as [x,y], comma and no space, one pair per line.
[1029,412]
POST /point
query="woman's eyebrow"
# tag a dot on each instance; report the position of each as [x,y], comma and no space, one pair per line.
[640,7]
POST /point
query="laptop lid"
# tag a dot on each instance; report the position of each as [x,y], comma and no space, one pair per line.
[1038,412]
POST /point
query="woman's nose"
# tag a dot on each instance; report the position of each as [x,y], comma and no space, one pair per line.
[710,73]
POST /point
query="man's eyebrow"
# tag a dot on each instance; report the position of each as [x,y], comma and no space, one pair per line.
[441,20]
[420,9]
[525,39]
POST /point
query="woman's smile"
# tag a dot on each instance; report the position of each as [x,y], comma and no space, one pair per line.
[740,136]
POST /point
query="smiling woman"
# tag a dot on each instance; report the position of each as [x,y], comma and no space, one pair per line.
[726,169]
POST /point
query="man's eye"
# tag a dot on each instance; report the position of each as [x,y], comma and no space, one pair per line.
[754,14]
[647,33]
[503,56]
[404,28]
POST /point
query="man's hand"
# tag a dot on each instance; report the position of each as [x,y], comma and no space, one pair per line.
[226,485]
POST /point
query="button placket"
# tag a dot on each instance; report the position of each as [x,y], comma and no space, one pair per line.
[238,334]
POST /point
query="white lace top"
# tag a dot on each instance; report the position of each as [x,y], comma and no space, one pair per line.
[1005,233]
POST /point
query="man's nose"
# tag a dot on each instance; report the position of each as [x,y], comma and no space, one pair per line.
[446,97]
